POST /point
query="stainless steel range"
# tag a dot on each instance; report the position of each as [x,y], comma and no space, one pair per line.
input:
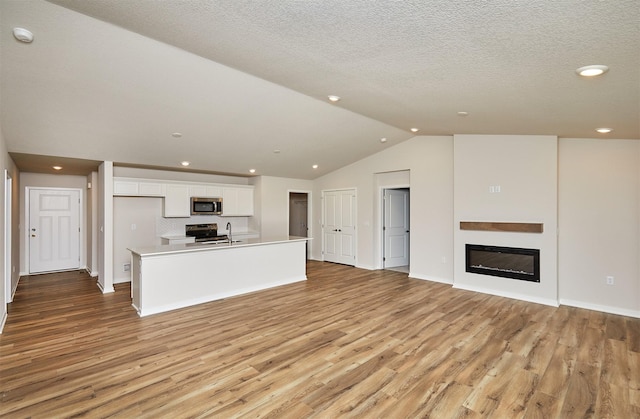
[205,233]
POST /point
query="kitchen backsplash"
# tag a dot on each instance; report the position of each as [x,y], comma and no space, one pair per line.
[175,226]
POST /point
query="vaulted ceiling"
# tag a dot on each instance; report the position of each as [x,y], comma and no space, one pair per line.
[245,82]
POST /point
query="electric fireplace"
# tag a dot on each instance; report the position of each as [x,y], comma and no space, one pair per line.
[506,262]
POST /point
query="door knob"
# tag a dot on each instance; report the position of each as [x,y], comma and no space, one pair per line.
[33,235]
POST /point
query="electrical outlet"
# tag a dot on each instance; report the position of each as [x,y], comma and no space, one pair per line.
[126,267]
[610,280]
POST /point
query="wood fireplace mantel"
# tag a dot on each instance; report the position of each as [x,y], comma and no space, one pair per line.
[494,226]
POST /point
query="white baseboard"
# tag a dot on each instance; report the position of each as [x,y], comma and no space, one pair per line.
[23,273]
[121,280]
[91,273]
[515,296]
[3,321]
[598,307]
[367,267]
[105,290]
[430,278]
[13,291]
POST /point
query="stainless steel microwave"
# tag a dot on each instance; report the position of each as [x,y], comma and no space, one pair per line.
[206,206]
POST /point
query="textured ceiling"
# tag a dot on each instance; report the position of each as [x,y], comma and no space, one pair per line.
[396,64]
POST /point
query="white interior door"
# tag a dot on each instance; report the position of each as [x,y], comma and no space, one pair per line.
[54,230]
[347,230]
[340,226]
[331,224]
[396,227]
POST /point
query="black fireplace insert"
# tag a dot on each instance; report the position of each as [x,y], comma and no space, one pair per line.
[506,262]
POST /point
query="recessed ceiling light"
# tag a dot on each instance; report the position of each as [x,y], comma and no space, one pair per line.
[252,170]
[176,135]
[383,140]
[57,167]
[415,129]
[604,130]
[185,163]
[334,98]
[463,113]
[23,35]
[315,166]
[592,70]
[276,151]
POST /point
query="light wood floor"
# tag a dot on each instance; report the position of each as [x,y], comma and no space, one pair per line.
[345,343]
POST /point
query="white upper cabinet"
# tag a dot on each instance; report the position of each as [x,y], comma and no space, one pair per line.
[151,189]
[137,187]
[237,201]
[206,191]
[176,201]
[198,190]
[125,187]
[213,191]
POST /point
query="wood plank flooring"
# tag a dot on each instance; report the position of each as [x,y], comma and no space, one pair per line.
[346,343]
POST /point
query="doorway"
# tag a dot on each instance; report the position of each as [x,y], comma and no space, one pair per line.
[299,216]
[54,230]
[395,229]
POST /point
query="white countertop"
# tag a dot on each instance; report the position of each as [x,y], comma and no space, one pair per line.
[174,237]
[201,247]
[235,234]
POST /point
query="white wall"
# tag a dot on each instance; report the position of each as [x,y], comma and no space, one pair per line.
[134,226]
[525,168]
[50,181]
[430,163]
[105,227]
[4,299]
[397,179]
[255,222]
[599,219]
[272,204]
[92,224]
[7,163]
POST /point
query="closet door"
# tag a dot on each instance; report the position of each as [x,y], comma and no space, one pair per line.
[339,228]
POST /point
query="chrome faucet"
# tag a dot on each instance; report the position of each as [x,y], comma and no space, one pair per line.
[229,233]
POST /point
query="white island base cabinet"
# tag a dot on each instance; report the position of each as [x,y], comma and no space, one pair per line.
[184,275]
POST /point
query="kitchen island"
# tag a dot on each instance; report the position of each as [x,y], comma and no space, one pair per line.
[168,277]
